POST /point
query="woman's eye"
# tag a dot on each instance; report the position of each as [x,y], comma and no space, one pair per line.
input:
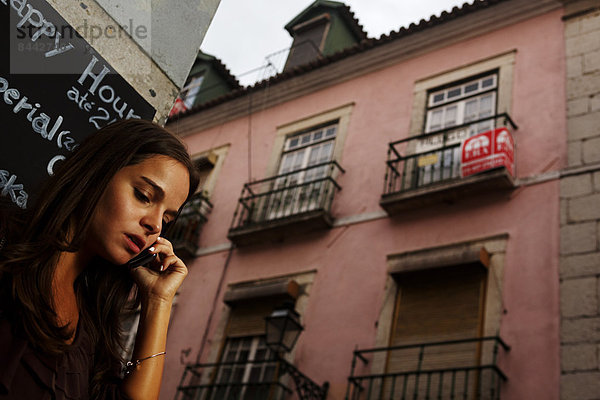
[141,196]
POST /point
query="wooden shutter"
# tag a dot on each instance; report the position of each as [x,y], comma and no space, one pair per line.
[250,304]
[438,305]
[432,306]
[248,318]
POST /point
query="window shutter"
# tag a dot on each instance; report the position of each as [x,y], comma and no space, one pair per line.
[248,318]
[437,305]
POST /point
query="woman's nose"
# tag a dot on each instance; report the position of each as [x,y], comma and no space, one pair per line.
[151,224]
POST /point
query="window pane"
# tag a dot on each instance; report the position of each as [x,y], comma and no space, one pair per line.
[293,142]
[191,91]
[306,139]
[450,116]
[438,97]
[313,158]
[436,120]
[298,159]
[454,92]
[471,110]
[260,354]
[326,150]
[254,374]
[472,87]
[238,374]
[487,82]
[486,106]
[330,131]
[286,163]
[318,135]
[243,356]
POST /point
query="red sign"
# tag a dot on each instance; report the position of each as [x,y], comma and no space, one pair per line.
[487,150]
[178,107]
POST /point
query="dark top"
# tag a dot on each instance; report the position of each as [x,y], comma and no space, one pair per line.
[27,374]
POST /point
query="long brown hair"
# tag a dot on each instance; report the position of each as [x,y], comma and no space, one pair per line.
[58,222]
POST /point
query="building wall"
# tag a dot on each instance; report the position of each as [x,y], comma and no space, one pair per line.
[580,212]
[349,262]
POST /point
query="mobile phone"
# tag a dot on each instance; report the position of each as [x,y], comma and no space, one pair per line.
[141,259]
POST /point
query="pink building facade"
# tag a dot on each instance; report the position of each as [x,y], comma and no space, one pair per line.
[339,186]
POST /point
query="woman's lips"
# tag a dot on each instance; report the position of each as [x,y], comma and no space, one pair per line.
[134,244]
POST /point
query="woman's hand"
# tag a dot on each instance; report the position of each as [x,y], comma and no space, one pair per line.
[166,273]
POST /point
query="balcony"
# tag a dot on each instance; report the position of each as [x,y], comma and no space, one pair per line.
[460,369]
[185,234]
[284,205]
[427,169]
[234,381]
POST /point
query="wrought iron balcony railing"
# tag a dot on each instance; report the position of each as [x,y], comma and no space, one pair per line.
[185,233]
[435,157]
[293,194]
[459,369]
[250,380]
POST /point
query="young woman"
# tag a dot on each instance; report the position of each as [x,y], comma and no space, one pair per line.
[64,282]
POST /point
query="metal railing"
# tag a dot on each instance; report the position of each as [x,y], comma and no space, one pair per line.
[459,369]
[185,233]
[224,381]
[287,195]
[433,157]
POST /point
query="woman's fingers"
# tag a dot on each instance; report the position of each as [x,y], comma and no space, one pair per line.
[171,262]
[167,257]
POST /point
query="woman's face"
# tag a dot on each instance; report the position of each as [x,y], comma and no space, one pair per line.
[137,202]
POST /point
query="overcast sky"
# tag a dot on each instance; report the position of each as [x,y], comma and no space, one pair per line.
[244,32]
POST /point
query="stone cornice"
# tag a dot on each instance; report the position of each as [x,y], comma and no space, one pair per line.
[378,55]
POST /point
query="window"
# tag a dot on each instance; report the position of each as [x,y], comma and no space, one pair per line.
[437,306]
[205,166]
[305,153]
[191,90]
[246,370]
[309,39]
[450,294]
[299,183]
[456,105]
[209,164]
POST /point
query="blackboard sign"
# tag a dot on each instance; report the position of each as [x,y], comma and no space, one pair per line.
[55,89]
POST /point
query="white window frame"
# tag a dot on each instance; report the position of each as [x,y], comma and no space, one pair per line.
[429,166]
[304,144]
[504,63]
[256,343]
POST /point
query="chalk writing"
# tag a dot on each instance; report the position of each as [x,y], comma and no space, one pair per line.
[49,105]
[40,123]
[33,17]
[115,107]
[12,189]
[54,160]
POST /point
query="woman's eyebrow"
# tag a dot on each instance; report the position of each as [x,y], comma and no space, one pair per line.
[160,194]
[159,191]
